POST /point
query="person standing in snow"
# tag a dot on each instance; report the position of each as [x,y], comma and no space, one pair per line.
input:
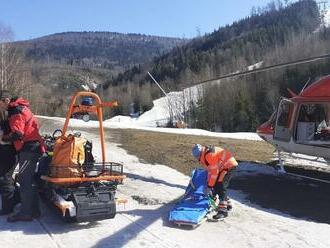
[24,134]
[220,165]
[7,167]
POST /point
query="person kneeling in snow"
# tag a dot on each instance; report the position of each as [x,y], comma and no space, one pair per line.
[220,165]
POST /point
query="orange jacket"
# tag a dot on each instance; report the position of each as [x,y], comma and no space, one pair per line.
[217,161]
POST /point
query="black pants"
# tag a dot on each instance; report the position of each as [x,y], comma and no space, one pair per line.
[26,177]
[7,167]
[220,188]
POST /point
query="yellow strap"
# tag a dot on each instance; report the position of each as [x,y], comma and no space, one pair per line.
[222,176]
[212,167]
[214,176]
[232,160]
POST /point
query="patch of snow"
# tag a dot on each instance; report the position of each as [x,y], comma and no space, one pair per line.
[255,66]
[85,87]
[133,123]
[93,85]
[304,160]
[172,105]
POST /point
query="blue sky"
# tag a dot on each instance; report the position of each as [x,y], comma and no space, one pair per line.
[173,18]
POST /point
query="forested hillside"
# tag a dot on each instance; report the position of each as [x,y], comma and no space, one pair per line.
[97,49]
[274,34]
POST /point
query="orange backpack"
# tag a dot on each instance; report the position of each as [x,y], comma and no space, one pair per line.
[68,156]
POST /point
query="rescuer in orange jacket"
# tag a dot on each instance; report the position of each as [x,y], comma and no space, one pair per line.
[220,165]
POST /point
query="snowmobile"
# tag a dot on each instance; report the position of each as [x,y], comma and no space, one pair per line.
[80,188]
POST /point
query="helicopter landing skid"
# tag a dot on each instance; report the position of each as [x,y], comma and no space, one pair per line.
[312,172]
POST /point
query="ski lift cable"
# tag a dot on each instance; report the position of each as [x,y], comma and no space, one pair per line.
[177,112]
[307,177]
[157,83]
[267,68]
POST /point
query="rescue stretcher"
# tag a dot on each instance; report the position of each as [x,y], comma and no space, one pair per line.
[194,207]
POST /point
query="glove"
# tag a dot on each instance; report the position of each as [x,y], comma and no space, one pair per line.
[208,191]
[1,141]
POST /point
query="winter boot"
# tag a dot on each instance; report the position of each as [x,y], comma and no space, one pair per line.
[220,215]
[8,204]
[229,204]
[222,211]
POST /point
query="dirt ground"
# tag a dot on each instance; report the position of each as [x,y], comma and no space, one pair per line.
[174,150]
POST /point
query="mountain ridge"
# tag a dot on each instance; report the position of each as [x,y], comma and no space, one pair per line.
[111,50]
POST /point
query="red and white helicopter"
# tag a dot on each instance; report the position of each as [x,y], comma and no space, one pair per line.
[301,123]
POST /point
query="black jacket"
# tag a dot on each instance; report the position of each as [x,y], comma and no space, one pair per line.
[7,152]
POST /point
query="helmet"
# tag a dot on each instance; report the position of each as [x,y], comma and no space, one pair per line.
[197,150]
[87,101]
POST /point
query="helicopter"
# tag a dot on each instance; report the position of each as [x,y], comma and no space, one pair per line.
[301,124]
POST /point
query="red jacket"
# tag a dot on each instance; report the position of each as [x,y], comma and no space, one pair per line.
[217,161]
[23,125]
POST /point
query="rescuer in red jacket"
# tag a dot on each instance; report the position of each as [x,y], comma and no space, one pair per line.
[220,165]
[24,134]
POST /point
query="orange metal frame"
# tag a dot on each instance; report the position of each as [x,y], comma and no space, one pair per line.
[82,179]
[96,109]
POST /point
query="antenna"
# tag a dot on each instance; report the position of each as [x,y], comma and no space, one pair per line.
[309,79]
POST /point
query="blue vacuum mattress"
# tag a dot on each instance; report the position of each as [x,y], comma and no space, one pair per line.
[194,205]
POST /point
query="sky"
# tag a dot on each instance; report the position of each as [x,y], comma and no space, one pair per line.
[171,18]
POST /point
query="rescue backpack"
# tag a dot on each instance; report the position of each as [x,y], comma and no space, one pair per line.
[68,157]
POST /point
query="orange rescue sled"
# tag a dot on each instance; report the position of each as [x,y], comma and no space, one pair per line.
[82,190]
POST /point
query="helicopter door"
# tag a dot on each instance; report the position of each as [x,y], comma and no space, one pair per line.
[283,120]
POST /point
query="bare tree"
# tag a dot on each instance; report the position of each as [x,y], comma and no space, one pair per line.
[5,37]
[14,74]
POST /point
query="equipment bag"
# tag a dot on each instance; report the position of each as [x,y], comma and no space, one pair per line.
[68,156]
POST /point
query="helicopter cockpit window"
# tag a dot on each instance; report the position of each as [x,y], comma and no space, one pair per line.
[283,120]
[284,114]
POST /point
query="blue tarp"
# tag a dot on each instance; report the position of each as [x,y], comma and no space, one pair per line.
[194,205]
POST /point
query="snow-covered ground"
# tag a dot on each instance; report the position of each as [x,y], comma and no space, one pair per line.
[255,66]
[305,160]
[139,225]
[128,122]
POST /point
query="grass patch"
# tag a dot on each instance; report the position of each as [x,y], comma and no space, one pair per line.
[174,150]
